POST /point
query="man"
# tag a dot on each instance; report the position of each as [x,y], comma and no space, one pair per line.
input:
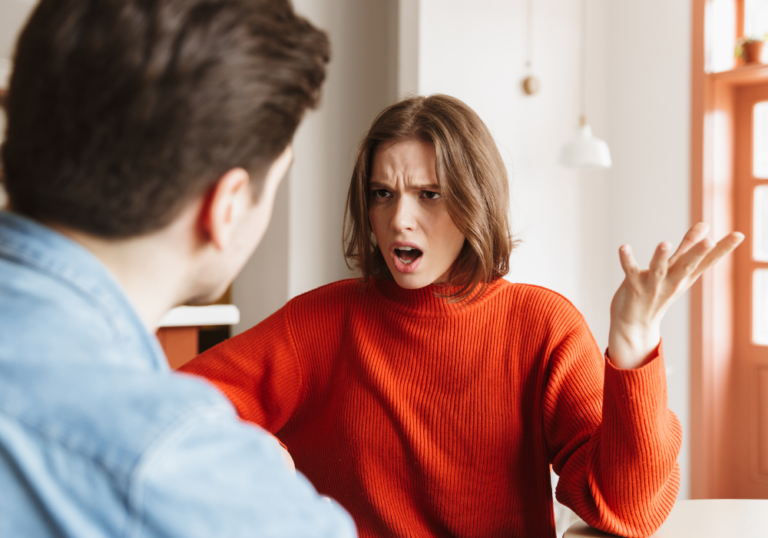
[145,142]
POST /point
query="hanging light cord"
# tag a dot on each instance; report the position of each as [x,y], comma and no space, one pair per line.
[529,52]
[583,66]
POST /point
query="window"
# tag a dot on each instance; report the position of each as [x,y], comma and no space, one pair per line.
[755,17]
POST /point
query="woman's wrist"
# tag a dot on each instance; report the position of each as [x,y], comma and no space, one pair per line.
[630,345]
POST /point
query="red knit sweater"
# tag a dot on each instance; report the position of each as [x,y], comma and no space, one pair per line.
[424,418]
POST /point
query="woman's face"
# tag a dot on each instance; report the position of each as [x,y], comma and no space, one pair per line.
[417,237]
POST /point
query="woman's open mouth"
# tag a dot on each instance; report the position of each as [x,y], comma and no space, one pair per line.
[406,258]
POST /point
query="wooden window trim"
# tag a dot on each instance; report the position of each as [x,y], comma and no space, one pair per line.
[739,19]
[712,298]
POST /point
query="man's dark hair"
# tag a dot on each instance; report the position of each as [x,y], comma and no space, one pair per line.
[120,111]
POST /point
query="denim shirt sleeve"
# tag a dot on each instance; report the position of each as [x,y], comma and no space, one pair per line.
[212,475]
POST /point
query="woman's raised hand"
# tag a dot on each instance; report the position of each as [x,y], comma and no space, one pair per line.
[645,295]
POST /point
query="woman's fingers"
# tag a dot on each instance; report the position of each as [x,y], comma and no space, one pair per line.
[694,235]
[688,262]
[644,296]
[704,255]
[628,263]
[724,247]
[659,264]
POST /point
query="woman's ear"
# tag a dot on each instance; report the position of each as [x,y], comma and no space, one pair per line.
[226,203]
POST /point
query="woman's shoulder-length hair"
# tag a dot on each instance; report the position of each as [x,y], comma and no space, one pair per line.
[473,184]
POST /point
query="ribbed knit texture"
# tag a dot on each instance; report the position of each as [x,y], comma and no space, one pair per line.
[425,418]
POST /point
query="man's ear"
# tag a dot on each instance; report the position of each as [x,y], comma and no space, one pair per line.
[226,203]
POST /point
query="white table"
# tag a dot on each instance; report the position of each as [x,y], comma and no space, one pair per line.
[197,316]
[711,518]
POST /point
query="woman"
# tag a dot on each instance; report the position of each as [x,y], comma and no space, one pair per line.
[431,396]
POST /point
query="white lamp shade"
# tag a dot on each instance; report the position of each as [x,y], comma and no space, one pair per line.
[586,151]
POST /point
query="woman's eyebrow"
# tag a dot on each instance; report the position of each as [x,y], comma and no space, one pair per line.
[414,186]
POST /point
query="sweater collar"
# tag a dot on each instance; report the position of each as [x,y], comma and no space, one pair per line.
[430,301]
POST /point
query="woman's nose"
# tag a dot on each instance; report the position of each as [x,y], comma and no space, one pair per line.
[403,217]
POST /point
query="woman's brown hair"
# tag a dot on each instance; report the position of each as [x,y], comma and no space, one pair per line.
[473,183]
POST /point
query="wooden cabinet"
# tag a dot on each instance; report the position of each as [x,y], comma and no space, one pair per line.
[179,329]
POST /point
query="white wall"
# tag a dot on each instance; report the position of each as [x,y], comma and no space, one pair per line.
[13,14]
[648,192]
[302,248]
[361,81]
[476,52]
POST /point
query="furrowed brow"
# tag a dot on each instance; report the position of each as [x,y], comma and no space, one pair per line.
[374,185]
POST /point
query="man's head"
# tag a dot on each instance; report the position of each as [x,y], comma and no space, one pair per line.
[122,113]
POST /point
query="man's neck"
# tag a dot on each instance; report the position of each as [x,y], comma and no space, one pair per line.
[150,269]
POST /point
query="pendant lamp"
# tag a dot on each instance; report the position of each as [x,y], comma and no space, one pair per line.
[585,151]
[530,83]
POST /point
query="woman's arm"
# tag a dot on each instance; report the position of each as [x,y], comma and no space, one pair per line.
[258,370]
[645,295]
[611,437]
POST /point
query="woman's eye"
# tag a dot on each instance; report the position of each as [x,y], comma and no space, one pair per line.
[430,195]
[381,193]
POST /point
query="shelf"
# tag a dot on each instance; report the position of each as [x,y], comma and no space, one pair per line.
[744,74]
[200,316]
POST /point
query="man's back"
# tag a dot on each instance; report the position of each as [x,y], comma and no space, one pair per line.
[98,438]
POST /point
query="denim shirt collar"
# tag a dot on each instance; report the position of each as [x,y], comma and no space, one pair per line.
[37,247]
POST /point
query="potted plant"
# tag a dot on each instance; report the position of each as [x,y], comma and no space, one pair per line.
[750,48]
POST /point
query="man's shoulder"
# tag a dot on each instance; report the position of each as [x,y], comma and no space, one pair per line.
[158,454]
[108,415]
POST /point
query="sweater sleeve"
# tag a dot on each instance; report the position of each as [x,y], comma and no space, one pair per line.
[258,370]
[611,438]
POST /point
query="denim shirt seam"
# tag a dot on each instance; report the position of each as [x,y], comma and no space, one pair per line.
[98,295]
[70,447]
[64,276]
[177,429]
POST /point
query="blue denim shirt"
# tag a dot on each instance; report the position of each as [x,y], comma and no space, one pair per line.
[99,438]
